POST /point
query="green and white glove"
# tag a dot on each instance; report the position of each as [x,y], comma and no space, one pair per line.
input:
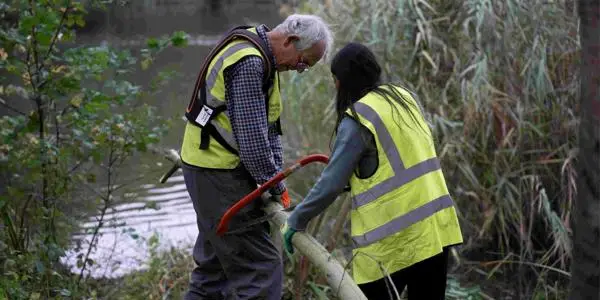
[288,233]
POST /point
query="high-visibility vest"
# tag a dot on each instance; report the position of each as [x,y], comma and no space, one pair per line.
[206,112]
[403,213]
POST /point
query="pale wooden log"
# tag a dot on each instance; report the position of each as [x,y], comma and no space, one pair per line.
[338,279]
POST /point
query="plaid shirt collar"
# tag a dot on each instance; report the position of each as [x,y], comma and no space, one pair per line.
[262,32]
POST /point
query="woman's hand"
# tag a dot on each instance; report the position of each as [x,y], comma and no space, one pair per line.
[288,233]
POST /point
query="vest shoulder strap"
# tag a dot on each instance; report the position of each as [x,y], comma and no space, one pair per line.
[239,32]
[198,99]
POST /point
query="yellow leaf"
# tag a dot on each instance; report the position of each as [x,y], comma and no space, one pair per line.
[59,69]
[35,296]
[76,100]
[21,48]
[26,78]
[146,63]
[3,54]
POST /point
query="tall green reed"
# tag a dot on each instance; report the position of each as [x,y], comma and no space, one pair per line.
[497,80]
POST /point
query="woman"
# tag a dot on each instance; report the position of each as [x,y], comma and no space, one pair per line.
[403,219]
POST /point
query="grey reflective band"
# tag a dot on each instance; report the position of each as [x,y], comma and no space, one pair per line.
[404,221]
[226,135]
[214,71]
[401,174]
[210,84]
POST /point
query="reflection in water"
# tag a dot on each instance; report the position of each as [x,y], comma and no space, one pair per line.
[122,243]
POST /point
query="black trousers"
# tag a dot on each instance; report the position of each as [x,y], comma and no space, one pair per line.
[242,265]
[425,280]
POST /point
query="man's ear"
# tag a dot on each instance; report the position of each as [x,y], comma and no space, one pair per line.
[290,39]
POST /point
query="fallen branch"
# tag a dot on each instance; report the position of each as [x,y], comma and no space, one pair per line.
[338,279]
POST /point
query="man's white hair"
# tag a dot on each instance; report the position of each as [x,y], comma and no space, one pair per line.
[310,29]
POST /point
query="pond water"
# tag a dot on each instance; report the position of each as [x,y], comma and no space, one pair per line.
[154,208]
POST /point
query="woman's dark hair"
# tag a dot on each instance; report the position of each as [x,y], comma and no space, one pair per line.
[358,72]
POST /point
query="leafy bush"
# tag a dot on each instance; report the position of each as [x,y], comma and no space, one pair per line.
[74,121]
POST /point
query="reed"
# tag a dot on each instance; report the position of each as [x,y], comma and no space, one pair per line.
[498,82]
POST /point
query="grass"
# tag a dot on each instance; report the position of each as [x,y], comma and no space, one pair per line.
[166,276]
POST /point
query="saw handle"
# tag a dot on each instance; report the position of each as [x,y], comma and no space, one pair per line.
[169,173]
[234,209]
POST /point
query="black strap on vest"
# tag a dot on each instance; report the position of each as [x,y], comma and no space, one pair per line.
[198,99]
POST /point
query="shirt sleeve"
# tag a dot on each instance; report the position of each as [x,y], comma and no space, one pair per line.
[276,145]
[246,109]
[347,151]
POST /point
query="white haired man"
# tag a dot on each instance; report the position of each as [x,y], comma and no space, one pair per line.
[232,143]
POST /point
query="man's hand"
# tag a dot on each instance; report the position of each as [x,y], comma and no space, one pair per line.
[288,233]
[284,198]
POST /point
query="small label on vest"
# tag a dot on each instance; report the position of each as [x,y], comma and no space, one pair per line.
[204,115]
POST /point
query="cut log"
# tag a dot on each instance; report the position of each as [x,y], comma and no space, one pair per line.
[341,283]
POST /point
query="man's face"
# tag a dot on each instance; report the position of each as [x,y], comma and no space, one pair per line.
[292,59]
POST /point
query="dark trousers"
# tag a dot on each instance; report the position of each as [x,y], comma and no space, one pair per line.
[241,265]
[425,280]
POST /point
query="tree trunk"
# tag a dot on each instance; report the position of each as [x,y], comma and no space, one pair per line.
[585,269]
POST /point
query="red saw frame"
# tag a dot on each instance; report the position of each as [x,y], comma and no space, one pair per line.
[235,208]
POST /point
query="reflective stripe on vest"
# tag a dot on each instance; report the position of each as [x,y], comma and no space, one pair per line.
[217,156]
[226,135]
[401,176]
[216,69]
[210,84]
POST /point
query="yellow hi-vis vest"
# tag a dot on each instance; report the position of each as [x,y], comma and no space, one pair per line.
[217,156]
[403,213]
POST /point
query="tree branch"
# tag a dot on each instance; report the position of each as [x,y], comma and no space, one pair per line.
[3,102]
[53,41]
[58,30]
[102,213]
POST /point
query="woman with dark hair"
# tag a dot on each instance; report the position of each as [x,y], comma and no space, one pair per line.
[403,220]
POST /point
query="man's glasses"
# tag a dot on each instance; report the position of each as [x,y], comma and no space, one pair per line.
[301,66]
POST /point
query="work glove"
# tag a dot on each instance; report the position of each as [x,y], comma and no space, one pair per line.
[284,199]
[288,233]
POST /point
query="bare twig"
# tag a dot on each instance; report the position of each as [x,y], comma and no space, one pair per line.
[63,18]
[57,33]
[22,221]
[5,104]
[107,200]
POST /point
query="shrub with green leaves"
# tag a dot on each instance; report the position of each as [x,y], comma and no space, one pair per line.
[74,120]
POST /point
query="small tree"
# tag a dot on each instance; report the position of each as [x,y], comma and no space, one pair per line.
[75,120]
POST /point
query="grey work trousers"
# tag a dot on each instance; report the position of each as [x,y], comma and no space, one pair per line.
[244,265]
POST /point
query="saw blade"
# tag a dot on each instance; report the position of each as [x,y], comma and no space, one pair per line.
[244,226]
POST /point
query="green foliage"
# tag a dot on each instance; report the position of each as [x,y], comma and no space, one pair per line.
[498,83]
[76,119]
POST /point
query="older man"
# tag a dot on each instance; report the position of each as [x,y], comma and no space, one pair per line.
[232,143]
